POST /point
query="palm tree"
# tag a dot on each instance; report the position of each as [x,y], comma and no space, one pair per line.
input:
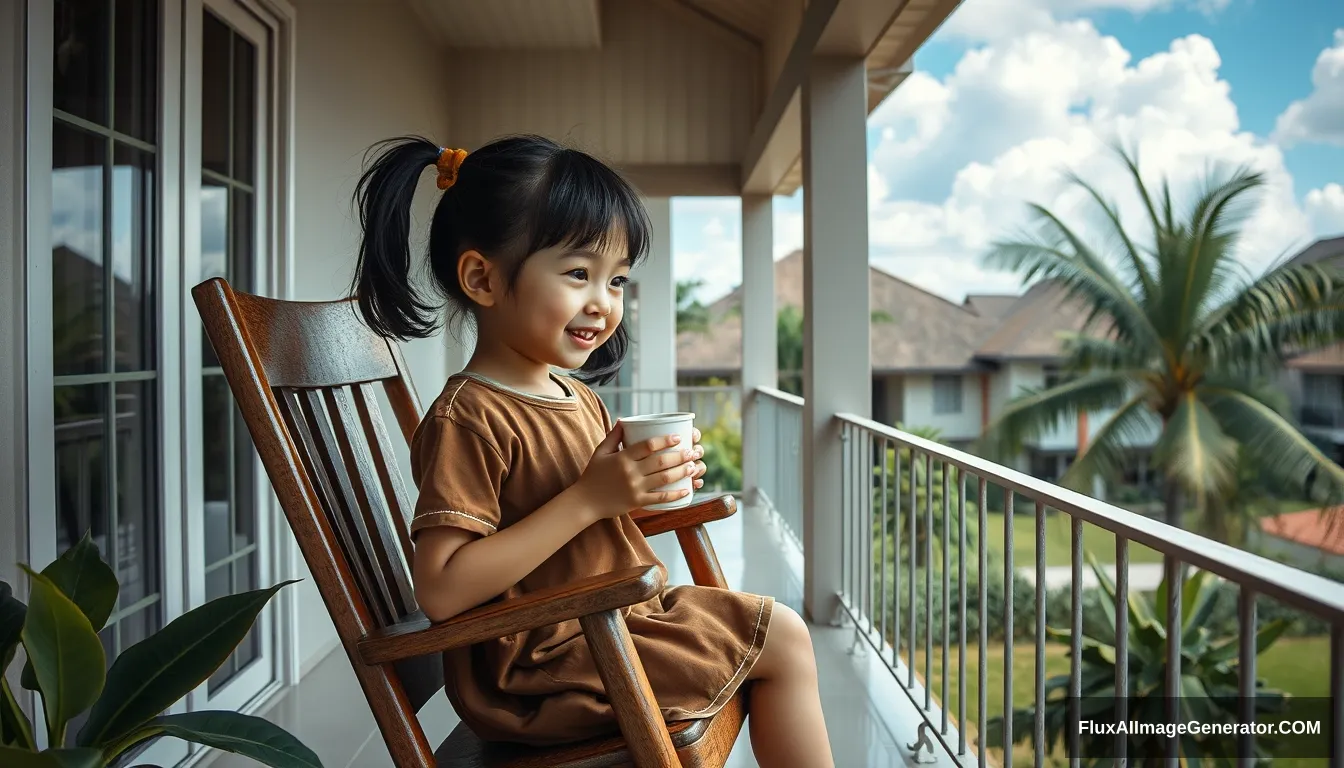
[691,314]
[1179,336]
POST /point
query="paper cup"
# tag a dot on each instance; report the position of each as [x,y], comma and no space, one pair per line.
[637,429]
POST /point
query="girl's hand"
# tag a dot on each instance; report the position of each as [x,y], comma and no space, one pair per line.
[700,467]
[617,481]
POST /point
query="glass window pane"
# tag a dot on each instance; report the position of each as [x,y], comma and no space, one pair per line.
[80,63]
[138,549]
[245,580]
[77,250]
[219,583]
[244,108]
[217,407]
[133,261]
[140,625]
[136,69]
[241,268]
[214,247]
[81,466]
[215,91]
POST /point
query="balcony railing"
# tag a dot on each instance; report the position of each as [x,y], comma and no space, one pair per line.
[779,460]
[905,501]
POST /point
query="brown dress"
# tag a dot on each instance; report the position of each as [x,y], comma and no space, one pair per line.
[485,457]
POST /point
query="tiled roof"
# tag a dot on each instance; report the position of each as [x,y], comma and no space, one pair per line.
[1308,527]
[1330,358]
[925,332]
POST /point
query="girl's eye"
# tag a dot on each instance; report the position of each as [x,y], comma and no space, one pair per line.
[620,282]
[578,274]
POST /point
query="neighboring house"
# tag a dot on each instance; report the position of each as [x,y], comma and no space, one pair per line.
[936,363]
[1307,538]
[1315,380]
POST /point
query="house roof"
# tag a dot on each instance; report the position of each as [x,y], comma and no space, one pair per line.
[1308,527]
[924,332]
[1329,358]
[1032,326]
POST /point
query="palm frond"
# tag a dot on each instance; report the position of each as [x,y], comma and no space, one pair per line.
[1085,352]
[1037,412]
[1131,162]
[1262,348]
[1135,259]
[1078,275]
[1195,451]
[1208,244]
[1105,454]
[1281,451]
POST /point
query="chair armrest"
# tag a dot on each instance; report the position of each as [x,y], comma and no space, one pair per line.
[417,636]
[654,523]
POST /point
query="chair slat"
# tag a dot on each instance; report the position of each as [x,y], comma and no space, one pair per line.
[384,547]
[342,504]
[384,461]
[314,344]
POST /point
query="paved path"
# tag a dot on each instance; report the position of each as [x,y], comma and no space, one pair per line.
[1142,576]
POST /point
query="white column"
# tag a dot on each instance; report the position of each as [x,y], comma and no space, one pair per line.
[837,370]
[656,333]
[760,363]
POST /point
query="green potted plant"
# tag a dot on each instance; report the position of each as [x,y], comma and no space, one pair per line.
[69,602]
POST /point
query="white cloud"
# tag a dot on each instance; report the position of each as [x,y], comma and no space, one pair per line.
[1001,19]
[1325,207]
[1319,118]
[960,158]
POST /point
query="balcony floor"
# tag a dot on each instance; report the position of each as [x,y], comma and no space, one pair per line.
[856,690]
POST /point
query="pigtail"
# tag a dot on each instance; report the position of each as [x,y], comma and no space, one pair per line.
[389,303]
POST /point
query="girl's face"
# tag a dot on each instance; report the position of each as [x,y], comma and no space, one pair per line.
[567,302]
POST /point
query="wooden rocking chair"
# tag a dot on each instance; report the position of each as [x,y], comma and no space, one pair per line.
[303,374]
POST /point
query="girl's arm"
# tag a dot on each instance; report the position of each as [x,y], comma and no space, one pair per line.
[456,570]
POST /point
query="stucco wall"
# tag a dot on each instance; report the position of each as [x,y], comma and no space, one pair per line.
[364,73]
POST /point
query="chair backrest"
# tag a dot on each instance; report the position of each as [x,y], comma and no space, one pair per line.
[304,376]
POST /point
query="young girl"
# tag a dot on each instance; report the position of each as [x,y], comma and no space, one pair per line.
[524,481]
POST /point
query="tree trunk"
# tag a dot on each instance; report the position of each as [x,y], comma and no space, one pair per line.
[1173,501]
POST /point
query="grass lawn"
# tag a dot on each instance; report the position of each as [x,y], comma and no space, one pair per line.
[1099,541]
[1281,667]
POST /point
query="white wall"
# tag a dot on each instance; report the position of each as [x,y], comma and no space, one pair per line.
[365,73]
[13,49]
[918,408]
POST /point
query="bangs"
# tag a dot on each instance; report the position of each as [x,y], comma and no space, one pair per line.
[581,203]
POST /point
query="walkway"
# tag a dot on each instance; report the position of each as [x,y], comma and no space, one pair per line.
[1143,577]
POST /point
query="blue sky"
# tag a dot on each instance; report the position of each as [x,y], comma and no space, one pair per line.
[1008,93]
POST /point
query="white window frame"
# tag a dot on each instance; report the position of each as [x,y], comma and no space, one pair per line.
[31,24]
[951,383]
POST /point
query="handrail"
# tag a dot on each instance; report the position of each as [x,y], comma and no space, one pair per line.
[1291,585]
[780,395]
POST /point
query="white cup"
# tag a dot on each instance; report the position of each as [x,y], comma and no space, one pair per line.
[637,429]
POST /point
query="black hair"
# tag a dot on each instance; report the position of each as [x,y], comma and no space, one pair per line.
[512,197]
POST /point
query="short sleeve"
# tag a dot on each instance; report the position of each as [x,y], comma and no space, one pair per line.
[459,474]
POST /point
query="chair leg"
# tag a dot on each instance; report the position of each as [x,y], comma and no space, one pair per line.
[627,687]
[699,553]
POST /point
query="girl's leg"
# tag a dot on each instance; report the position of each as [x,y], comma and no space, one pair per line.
[786,722]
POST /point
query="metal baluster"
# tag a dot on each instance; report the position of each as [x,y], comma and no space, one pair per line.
[1246,702]
[914,556]
[928,581]
[896,566]
[845,536]
[1121,644]
[866,534]
[882,584]
[961,613]
[1040,634]
[1172,684]
[983,651]
[1076,641]
[947,608]
[1008,628]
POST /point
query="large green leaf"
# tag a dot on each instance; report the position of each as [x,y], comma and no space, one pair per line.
[12,612]
[245,735]
[1264,637]
[14,726]
[12,757]
[78,757]
[149,676]
[66,653]
[89,582]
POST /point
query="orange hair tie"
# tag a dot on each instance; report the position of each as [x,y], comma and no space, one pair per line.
[449,161]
